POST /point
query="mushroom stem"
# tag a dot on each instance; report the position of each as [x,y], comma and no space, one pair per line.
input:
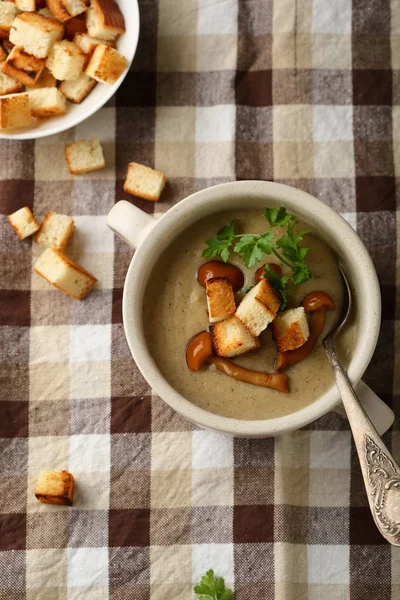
[275,381]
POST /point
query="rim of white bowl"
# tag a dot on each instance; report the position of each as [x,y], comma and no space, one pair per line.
[110,90]
[135,285]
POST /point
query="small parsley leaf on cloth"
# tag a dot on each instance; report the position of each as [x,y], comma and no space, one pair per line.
[212,588]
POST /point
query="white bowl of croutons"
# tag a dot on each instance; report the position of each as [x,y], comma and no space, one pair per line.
[62,63]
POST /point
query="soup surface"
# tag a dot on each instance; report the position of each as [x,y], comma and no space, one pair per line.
[175,309]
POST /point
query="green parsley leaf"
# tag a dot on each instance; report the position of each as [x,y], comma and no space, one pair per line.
[301,234]
[202,589]
[226,595]
[252,247]
[279,217]
[220,245]
[301,273]
[280,283]
[213,588]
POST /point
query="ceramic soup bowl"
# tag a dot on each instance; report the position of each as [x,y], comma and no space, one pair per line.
[150,237]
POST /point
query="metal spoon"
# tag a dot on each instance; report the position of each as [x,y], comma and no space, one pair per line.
[380,471]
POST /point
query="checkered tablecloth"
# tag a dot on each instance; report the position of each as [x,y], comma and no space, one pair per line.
[305,92]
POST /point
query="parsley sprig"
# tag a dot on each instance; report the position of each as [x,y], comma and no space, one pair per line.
[213,588]
[253,247]
[280,283]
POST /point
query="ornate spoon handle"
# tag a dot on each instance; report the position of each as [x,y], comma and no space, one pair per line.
[380,471]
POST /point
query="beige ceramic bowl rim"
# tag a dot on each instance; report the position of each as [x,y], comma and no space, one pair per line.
[213,199]
[80,112]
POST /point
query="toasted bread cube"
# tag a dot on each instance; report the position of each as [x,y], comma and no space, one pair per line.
[78,89]
[26,5]
[84,156]
[47,102]
[8,85]
[88,44]
[75,26]
[66,60]
[3,54]
[104,20]
[45,12]
[55,231]
[23,222]
[8,12]
[106,64]
[65,274]
[231,338]
[144,182]
[55,487]
[35,33]
[259,307]
[46,80]
[15,111]
[290,329]
[65,9]
[8,46]
[23,66]
[220,299]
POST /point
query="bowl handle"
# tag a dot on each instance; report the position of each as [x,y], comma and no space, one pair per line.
[130,223]
[380,414]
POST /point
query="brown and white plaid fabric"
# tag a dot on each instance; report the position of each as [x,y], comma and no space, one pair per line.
[306,92]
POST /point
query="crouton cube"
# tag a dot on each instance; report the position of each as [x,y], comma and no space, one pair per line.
[66,60]
[8,85]
[88,44]
[3,54]
[23,222]
[26,5]
[75,26]
[45,12]
[8,12]
[23,66]
[55,231]
[220,299]
[231,338]
[78,89]
[84,156]
[144,182]
[46,80]
[47,102]
[259,307]
[290,329]
[104,20]
[55,487]
[35,33]
[65,274]
[65,9]
[15,111]
[8,46]
[106,64]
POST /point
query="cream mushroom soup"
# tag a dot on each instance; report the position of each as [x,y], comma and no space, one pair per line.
[175,310]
